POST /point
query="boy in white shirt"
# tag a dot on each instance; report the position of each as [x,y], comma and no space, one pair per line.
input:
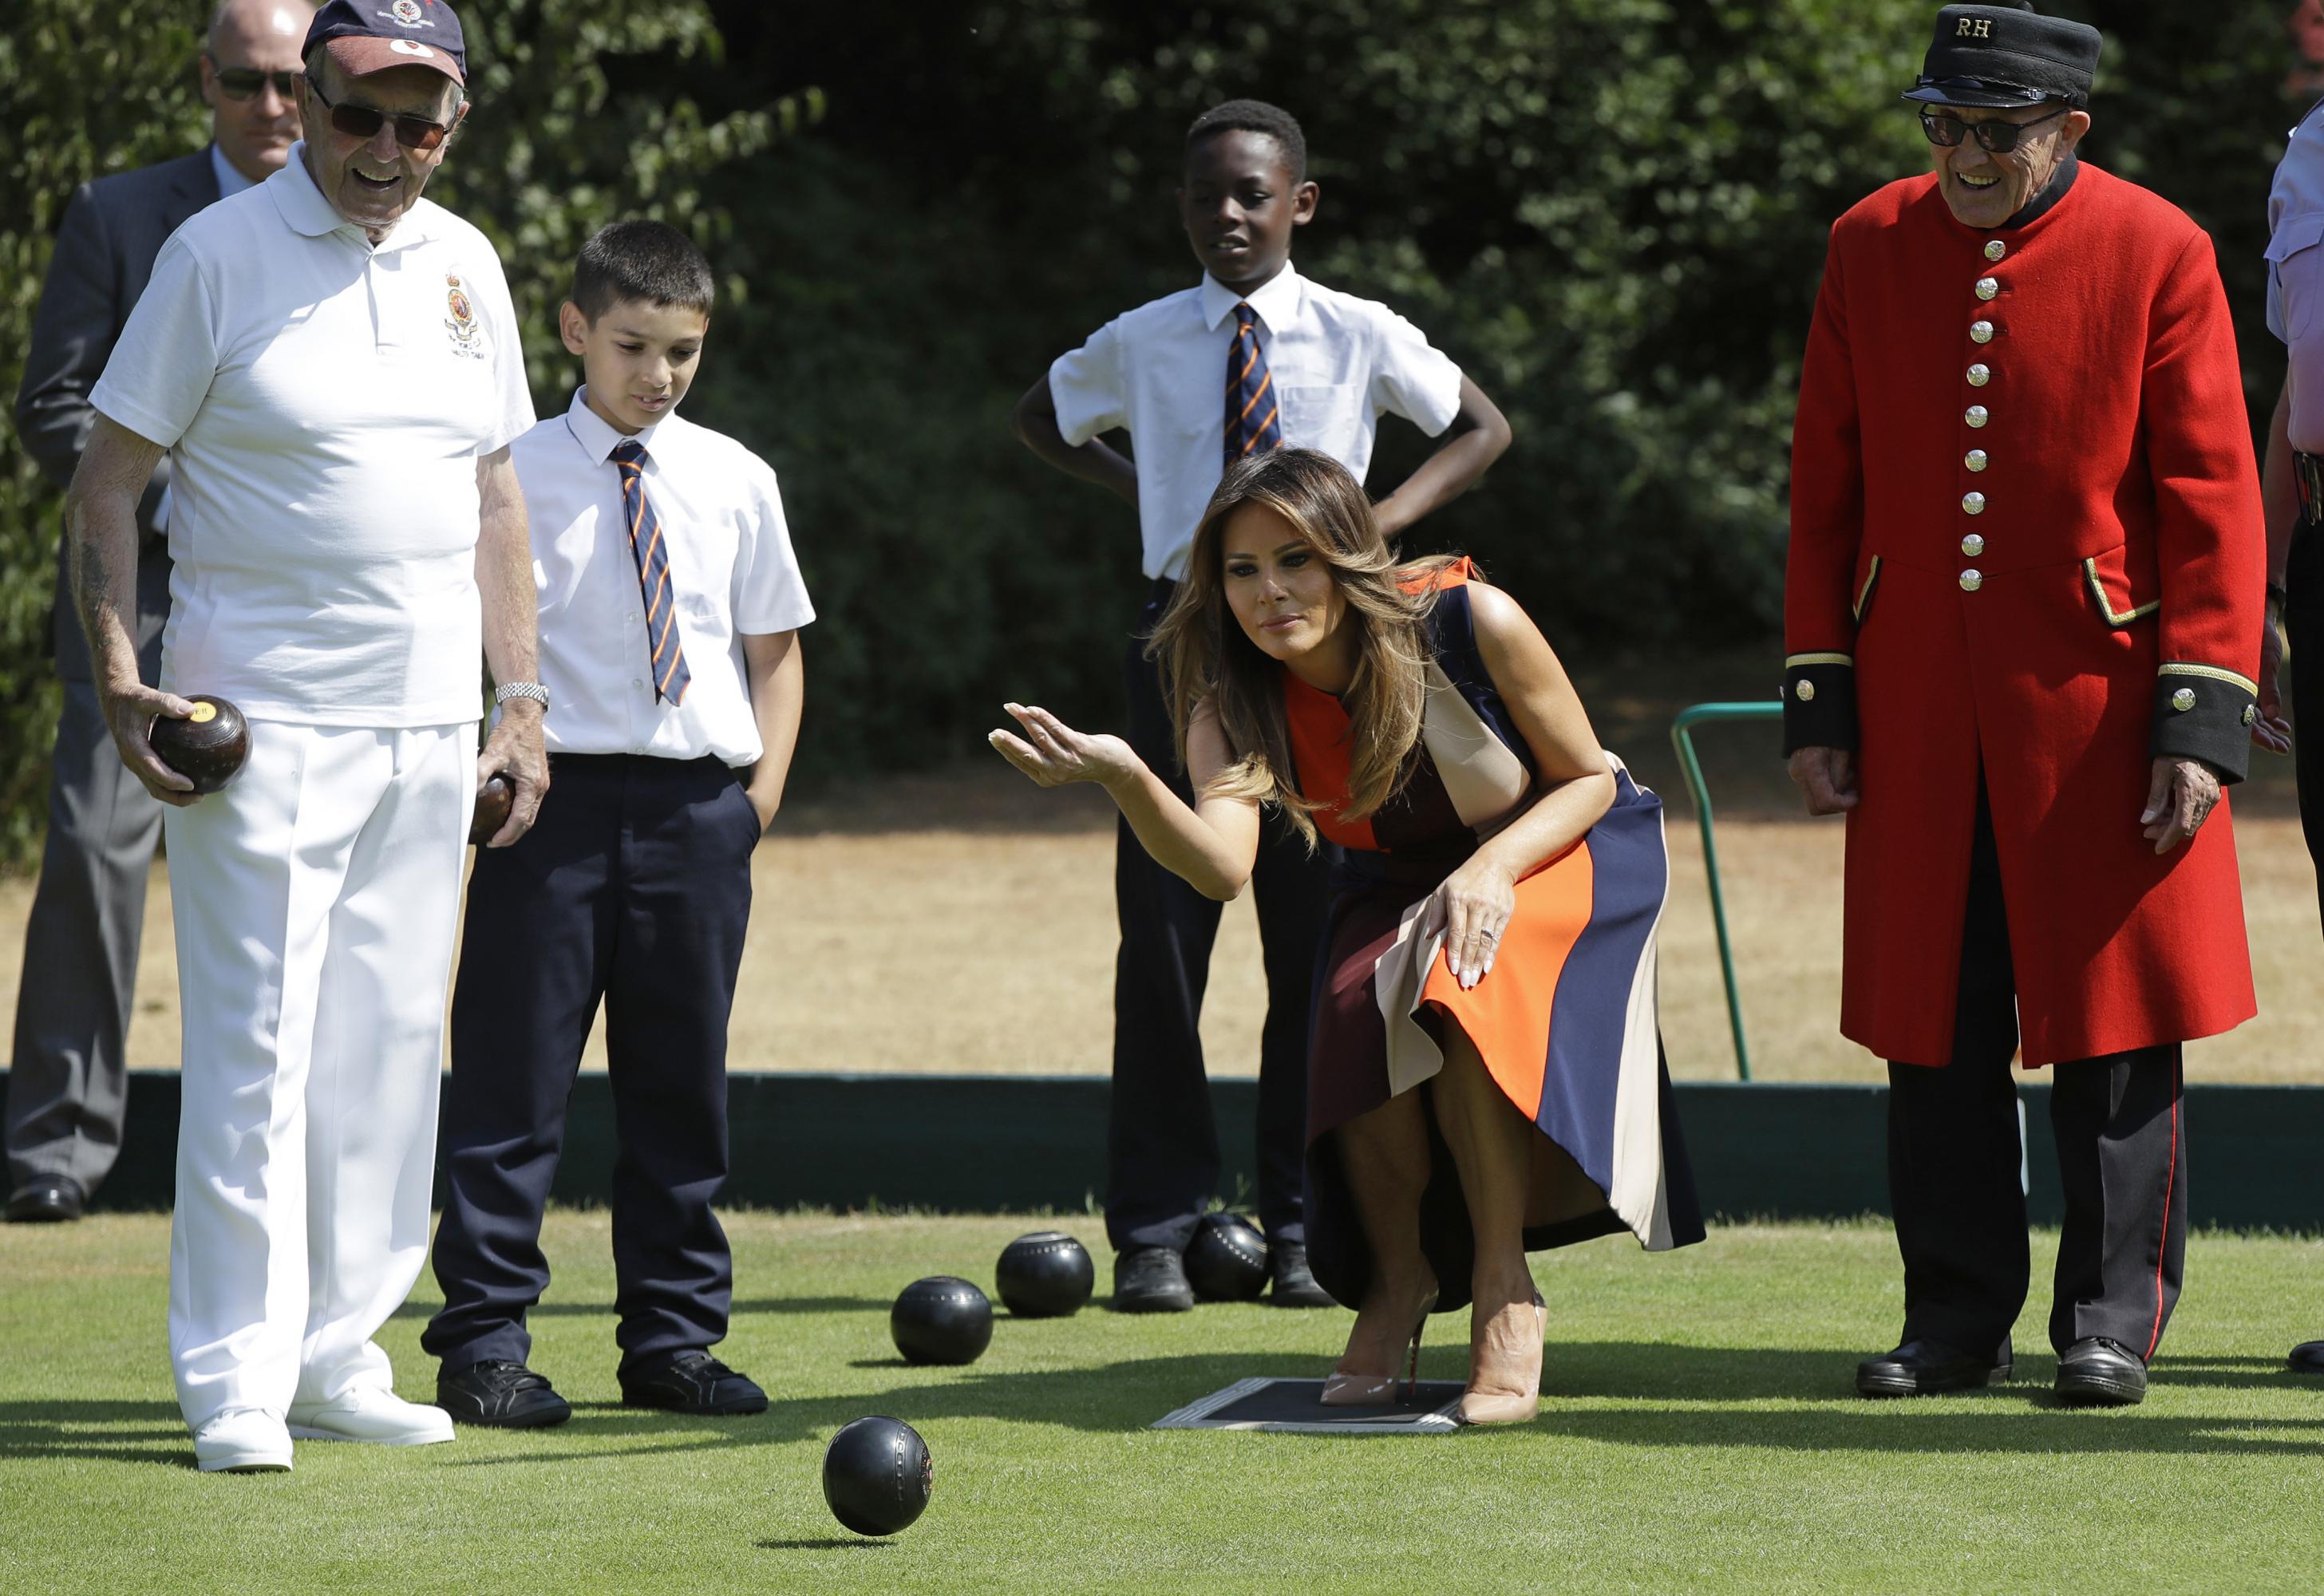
[670,604]
[1255,357]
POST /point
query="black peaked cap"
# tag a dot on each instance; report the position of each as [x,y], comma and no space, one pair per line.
[2008,55]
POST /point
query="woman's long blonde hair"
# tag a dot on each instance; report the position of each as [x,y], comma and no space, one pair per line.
[1205,655]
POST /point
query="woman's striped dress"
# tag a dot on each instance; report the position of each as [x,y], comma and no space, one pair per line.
[1565,1021]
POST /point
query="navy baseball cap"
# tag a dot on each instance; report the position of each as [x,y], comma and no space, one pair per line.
[2006,55]
[366,36]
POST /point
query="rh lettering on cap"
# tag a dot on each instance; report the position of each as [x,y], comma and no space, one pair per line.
[1974,27]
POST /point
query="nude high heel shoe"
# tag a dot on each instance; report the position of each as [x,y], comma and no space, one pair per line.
[1500,1407]
[1378,1390]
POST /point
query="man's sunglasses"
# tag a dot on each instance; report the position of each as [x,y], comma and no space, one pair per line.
[1994,138]
[362,122]
[242,83]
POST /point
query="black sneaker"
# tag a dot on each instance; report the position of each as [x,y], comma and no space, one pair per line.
[1295,1284]
[500,1393]
[691,1381]
[1150,1281]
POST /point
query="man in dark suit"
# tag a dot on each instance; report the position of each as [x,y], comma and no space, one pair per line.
[68,1084]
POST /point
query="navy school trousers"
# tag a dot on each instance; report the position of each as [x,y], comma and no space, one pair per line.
[1162,1145]
[633,888]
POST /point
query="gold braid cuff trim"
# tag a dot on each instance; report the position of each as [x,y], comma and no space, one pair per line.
[2213,671]
[1794,661]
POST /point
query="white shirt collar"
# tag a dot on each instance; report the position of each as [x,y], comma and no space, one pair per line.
[303,205]
[230,181]
[596,436]
[1276,301]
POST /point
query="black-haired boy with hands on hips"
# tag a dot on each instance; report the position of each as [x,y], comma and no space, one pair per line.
[670,604]
[1254,357]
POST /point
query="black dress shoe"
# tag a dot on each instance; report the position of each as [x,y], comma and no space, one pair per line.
[500,1393]
[51,1199]
[1150,1281]
[2095,1372]
[2308,1357]
[692,1381]
[1295,1284]
[1928,1369]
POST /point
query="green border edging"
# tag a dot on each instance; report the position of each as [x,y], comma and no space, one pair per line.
[993,1143]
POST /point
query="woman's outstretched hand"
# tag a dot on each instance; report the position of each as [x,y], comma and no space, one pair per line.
[1054,754]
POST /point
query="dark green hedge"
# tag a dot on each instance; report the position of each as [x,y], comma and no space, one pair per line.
[1610,211]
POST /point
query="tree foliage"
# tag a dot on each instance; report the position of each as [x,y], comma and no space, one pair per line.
[1611,212]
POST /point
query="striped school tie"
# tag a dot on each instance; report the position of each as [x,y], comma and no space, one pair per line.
[1253,421]
[669,663]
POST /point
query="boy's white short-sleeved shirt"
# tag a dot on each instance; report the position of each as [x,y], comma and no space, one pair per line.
[325,402]
[732,571]
[1339,363]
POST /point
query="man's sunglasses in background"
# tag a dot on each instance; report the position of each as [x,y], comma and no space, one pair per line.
[362,122]
[242,83]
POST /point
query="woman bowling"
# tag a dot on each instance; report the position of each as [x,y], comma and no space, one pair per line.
[1485,1076]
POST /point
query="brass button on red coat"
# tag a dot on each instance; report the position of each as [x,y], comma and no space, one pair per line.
[1980,375]
[1972,579]
[1977,415]
[1973,504]
[1972,545]
[1987,287]
[1994,249]
[1975,460]
[1803,690]
[1980,332]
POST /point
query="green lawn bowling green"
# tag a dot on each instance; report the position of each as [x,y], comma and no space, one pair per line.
[1698,1431]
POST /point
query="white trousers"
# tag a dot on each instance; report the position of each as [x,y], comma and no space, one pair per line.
[315,900]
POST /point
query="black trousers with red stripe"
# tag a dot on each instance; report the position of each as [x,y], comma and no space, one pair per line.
[1955,1168]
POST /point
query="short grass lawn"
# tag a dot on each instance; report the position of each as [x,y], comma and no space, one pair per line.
[1698,1432]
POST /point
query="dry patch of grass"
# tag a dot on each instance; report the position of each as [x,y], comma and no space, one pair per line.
[964,924]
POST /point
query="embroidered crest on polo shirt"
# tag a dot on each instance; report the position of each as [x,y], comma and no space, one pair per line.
[466,338]
[406,13]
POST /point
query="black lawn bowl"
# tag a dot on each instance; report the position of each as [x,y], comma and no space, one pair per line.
[1227,1259]
[877,1475]
[942,1319]
[1046,1274]
[495,799]
[207,747]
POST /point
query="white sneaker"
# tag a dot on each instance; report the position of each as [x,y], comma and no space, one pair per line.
[243,1441]
[369,1414]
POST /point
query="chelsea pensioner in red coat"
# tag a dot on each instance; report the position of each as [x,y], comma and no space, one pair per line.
[2026,543]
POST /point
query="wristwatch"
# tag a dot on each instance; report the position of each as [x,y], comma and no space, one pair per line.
[533,690]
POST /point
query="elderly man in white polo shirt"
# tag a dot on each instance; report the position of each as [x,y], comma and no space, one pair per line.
[332,364]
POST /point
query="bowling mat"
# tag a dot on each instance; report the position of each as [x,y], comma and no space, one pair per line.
[1293,1406]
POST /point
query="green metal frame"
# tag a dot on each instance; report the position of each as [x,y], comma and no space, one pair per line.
[1682,740]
